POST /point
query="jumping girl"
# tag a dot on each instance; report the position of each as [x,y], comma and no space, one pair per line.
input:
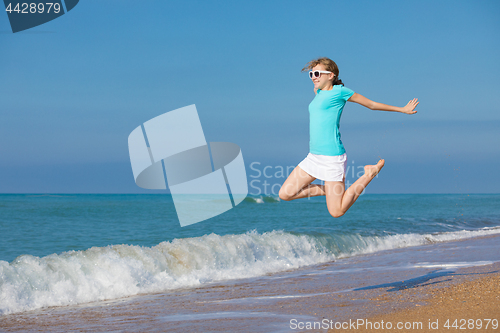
[327,158]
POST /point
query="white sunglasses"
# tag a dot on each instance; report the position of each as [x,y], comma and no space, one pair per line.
[317,74]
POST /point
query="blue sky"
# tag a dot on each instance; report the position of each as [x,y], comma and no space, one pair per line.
[74,88]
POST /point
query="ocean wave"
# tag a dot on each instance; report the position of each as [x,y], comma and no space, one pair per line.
[101,273]
[262,199]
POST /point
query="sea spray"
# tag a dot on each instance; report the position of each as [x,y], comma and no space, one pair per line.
[101,273]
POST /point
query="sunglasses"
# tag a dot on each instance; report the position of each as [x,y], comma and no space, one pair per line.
[317,74]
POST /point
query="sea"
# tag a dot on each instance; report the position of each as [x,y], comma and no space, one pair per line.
[60,250]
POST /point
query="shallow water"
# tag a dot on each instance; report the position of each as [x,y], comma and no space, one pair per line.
[335,291]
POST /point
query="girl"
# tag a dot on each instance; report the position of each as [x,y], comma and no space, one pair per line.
[327,158]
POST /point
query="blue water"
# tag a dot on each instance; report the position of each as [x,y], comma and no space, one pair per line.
[44,224]
[68,249]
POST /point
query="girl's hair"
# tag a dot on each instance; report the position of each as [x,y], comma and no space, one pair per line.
[329,64]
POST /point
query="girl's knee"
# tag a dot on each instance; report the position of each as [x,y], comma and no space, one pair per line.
[336,212]
[283,195]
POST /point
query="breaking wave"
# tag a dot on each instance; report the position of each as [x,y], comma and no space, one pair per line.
[101,273]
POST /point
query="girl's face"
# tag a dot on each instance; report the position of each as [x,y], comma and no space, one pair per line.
[324,82]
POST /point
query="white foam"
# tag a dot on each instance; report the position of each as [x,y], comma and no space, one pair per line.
[121,270]
[103,273]
[262,199]
[375,244]
[454,264]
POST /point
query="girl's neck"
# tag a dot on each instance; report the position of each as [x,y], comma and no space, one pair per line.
[327,87]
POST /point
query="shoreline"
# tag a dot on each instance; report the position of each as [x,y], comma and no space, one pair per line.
[377,286]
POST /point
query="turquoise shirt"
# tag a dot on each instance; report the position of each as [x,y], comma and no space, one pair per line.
[324,120]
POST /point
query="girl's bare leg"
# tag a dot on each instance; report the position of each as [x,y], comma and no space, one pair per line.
[298,185]
[338,201]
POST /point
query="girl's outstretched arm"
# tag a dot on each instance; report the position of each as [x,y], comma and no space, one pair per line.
[408,108]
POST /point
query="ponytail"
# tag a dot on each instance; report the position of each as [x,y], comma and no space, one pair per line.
[337,81]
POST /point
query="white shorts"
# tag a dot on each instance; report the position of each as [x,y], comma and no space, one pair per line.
[327,168]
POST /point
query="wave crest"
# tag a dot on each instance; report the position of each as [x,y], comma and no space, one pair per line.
[116,271]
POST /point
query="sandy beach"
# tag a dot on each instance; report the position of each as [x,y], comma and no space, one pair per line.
[468,302]
[425,284]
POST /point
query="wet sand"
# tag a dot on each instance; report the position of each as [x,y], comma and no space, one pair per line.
[445,280]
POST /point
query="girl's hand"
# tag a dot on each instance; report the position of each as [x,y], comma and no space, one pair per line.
[410,107]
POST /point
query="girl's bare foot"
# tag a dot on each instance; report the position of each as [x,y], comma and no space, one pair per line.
[373,170]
